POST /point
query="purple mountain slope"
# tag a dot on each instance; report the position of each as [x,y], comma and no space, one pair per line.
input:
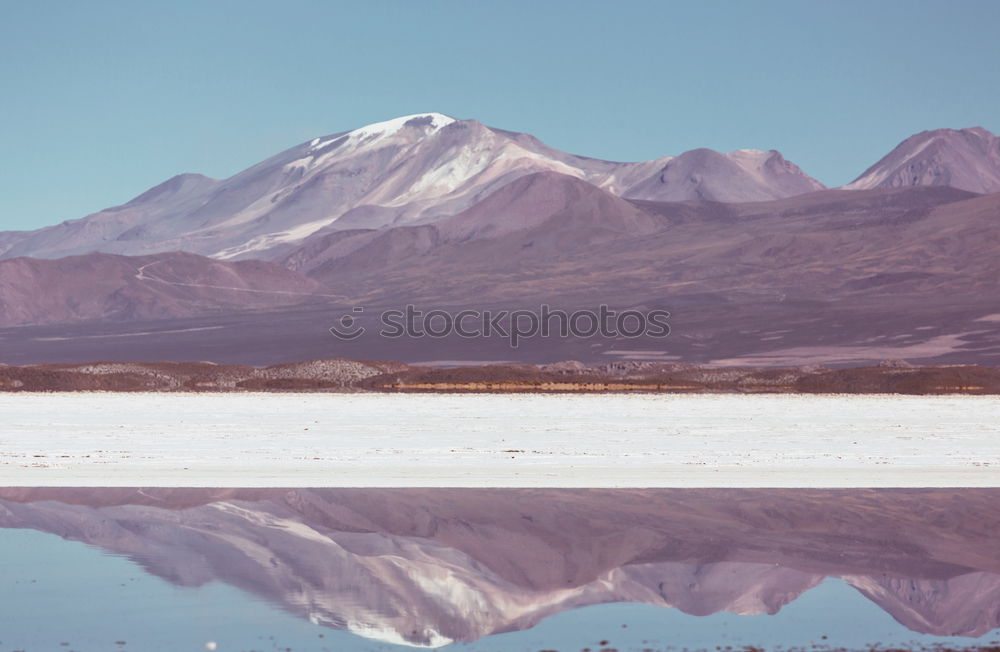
[545,214]
[583,241]
[741,176]
[107,287]
[836,276]
[549,199]
[967,159]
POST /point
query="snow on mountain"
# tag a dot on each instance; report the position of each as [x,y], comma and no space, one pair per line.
[967,159]
[408,170]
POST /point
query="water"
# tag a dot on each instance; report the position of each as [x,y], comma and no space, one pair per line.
[108,566]
[496,569]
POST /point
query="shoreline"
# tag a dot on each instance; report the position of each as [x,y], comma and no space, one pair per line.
[357,391]
[446,478]
[333,375]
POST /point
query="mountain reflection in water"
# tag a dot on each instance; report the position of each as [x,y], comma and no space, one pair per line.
[432,566]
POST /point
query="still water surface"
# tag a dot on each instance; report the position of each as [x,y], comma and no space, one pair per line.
[495,569]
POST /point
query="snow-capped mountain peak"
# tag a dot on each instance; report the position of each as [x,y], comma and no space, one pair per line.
[408,170]
[373,134]
[427,121]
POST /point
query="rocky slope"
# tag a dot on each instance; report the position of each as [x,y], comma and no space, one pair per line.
[967,159]
[545,214]
[745,175]
[104,287]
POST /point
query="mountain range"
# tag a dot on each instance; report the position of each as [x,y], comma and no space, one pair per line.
[373,561]
[758,261]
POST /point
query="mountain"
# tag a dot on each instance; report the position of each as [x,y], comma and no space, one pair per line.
[967,159]
[540,215]
[547,201]
[453,214]
[835,277]
[112,228]
[556,238]
[427,567]
[746,175]
[106,287]
[409,170]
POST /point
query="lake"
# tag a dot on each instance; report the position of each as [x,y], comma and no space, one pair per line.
[497,522]
[496,569]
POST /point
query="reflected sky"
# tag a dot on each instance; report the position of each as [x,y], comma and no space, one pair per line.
[496,569]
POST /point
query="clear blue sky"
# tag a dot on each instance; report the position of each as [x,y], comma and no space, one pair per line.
[100,100]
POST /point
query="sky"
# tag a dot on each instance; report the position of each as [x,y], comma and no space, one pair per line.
[101,100]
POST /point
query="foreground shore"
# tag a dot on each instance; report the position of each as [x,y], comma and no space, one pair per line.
[890,377]
[497,440]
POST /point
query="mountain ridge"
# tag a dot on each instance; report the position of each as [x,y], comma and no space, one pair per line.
[412,169]
[425,167]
